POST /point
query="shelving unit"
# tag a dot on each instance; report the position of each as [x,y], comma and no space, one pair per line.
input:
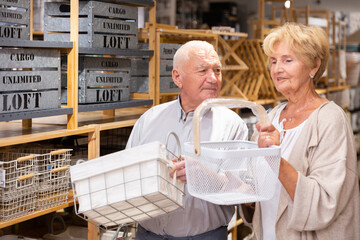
[14,133]
[262,26]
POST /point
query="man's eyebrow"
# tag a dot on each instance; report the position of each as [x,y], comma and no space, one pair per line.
[205,65]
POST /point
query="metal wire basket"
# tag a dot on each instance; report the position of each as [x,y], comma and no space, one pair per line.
[230,172]
[52,167]
[51,172]
[18,185]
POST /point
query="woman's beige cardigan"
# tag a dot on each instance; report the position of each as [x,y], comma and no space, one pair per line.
[326,203]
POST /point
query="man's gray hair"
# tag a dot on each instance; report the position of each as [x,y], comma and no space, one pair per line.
[182,54]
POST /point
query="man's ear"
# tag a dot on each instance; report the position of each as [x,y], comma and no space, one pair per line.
[176,77]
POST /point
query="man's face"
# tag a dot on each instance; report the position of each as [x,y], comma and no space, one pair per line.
[200,77]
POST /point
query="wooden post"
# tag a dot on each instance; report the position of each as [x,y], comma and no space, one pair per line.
[110,112]
[94,152]
[152,59]
[27,123]
[73,64]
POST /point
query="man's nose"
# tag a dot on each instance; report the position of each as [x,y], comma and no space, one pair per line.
[212,76]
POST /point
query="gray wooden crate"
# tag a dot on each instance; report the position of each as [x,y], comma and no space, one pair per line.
[141,85]
[30,79]
[98,76]
[101,25]
[140,67]
[15,19]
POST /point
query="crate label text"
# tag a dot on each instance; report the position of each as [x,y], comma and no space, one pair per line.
[10,32]
[116,10]
[12,1]
[21,101]
[109,64]
[21,79]
[22,57]
[169,50]
[116,42]
[108,95]
[11,15]
[109,79]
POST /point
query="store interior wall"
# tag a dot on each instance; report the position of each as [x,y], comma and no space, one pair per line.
[244,12]
[217,12]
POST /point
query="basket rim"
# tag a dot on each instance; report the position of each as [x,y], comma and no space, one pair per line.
[103,164]
[254,151]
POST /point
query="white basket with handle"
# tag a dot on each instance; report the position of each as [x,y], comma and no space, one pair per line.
[127,186]
[230,172]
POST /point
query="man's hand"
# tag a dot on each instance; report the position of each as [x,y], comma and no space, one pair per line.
[236,184]
[179,167]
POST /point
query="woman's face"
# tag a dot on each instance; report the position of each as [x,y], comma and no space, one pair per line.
[287,71]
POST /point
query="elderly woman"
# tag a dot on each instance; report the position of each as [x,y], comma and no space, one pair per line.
[317,195]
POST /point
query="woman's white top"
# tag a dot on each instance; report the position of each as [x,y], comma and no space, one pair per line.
[269,208]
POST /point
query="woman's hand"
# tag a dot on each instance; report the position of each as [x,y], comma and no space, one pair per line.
[268,135]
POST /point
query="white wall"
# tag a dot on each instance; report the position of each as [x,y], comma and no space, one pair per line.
[333,5]
[349,9]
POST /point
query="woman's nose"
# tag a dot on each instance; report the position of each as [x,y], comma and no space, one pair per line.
[278,67]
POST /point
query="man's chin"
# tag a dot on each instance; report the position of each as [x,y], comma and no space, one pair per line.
[211,95]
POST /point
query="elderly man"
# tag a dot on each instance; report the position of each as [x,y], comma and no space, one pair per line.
[197,73]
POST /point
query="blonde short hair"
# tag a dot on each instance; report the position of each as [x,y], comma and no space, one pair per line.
[308,42]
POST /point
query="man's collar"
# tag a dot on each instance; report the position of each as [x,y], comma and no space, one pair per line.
[181,113]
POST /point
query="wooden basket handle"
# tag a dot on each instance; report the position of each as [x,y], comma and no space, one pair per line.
[22,178]
[59,169]
[25,158]
[57,152]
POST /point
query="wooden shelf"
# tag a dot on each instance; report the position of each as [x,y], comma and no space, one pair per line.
[35,44]
[113,105]
[339,88]
[120,52]
[148,3]
[12,133]
[43,134]
[35,114]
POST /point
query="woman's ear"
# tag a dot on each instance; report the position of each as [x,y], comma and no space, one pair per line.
[176,76]
[315,70]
